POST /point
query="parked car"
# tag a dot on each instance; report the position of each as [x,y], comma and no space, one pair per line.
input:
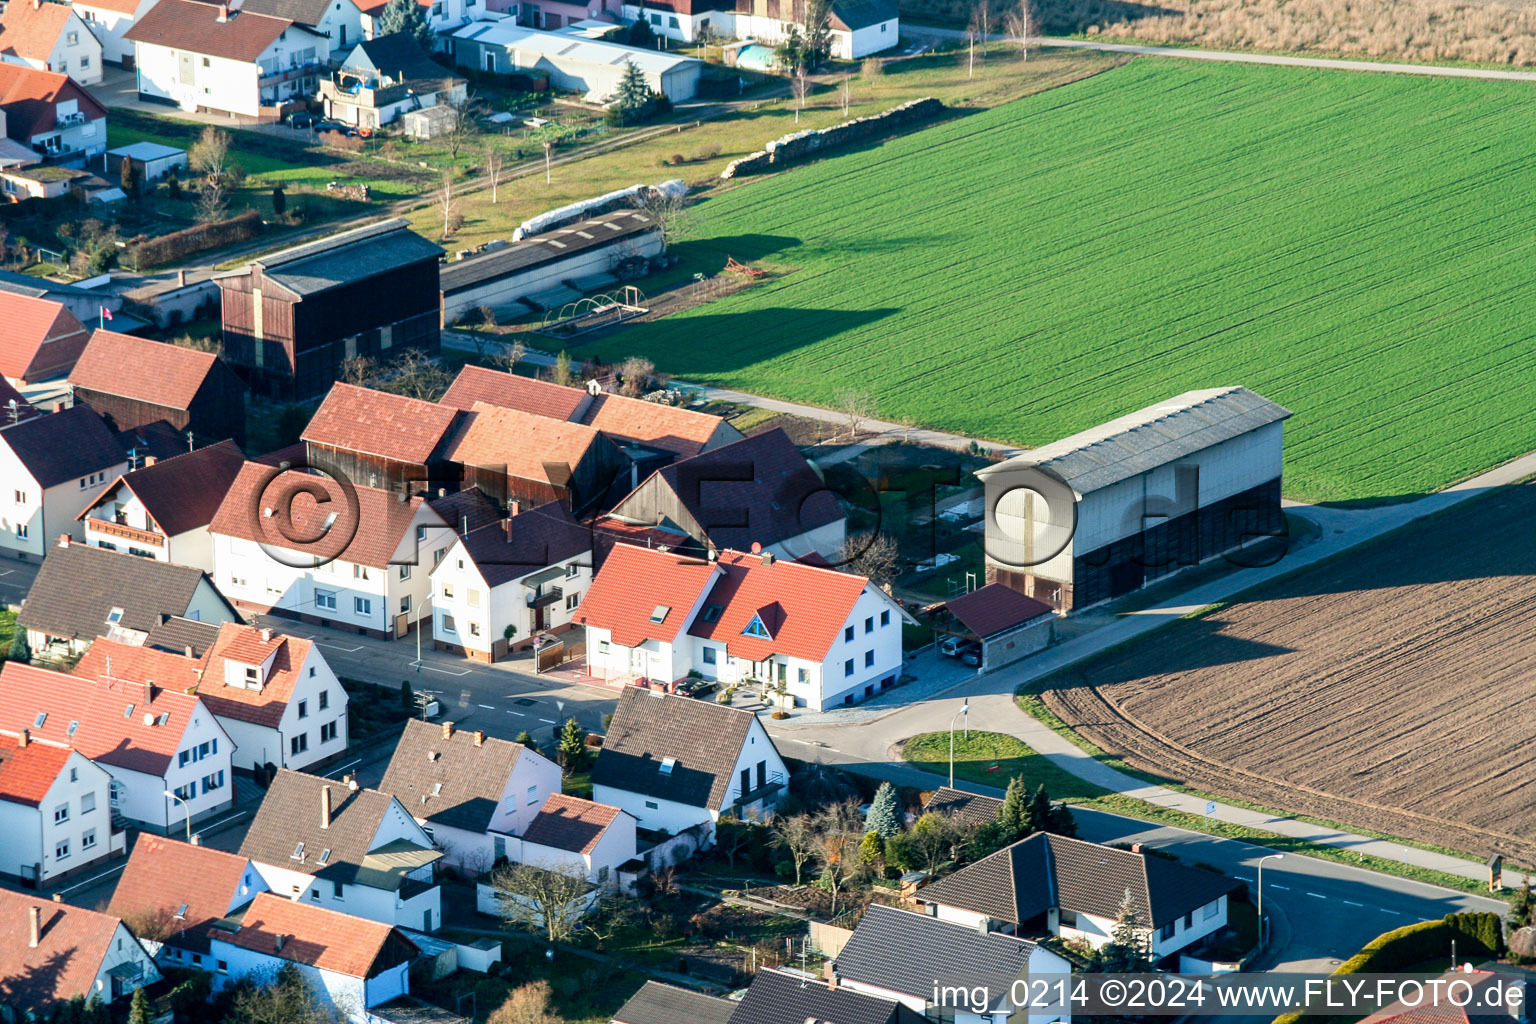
[970,655]
[329,125]
[301,120]
[697,687]
[951,646]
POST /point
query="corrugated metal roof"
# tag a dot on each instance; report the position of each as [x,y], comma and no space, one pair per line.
[1148,438]
[555,44]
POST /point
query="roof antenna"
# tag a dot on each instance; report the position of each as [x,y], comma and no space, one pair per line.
[15,411]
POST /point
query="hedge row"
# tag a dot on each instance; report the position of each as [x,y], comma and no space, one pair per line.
[1476,935]
[156,252]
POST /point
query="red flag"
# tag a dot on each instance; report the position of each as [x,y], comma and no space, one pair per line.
[106,314]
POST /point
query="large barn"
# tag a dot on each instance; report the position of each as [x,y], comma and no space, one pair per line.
[1104,512]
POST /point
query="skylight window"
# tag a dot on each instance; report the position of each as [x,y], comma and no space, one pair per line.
[128,711]
[73,725]
[298,852]
[659,613]
[182,913]
[114,616]
[713,612]
[757,629]
[165,716]
[37,723]
[437,789]
[325,855]
[667,764]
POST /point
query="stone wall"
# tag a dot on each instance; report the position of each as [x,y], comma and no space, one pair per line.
[801,145]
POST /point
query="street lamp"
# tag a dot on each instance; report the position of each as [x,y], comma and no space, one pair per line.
[1263,925]
[421,611]
[965,709]
[188,807]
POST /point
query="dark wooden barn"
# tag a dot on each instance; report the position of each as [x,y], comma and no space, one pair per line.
[379,439]
[519,456]
[133,382]
[292,318]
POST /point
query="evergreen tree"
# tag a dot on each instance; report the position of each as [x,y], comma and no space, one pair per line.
[816,43]
[128,175]
[405,16]
[407,697]
[526,739]
[632,99]
[1014,814]
[884,817]
[138,1008]
[872,851]
[19,650]
[572,752]
[1040,810]
[790,52]
[640,35]
[279,201]
[1061,822]
[173,184]
[1126,950]
[1522,908]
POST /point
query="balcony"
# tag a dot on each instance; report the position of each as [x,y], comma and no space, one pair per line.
[274,77]
[126,532]
[773,784]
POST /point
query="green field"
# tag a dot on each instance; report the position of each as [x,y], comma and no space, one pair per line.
[1357,247]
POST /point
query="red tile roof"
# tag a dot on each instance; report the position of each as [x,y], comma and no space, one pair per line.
[195,27]
[299,504]
[27,773]
[32,31]
[509,391]
[994,608]
[313,935]
[64,964]
[162,875]
[523,442]
[372,422]
[634,584]
[181,493]
[238,643]
[30,97]
[41,338]
[803,607]
[570,823]
[683,431]
[142,369]
[107,730]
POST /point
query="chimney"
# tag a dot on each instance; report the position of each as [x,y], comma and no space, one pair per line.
[197,839]
[58,897]
[506,527]
[479,737]
[1135,847]
[57,406]
[181,278]
[325,806]
[514,507]
[223,17]
[37,4]
[149,692]
[279,942]
[149,460]
[266,634]
[831,976]
[187,650]
[767,558]
[63,540]
[447,730]
[23,738]
[35,913]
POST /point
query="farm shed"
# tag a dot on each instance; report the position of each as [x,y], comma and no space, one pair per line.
[428,122]
[1106,511]
[555,260]
[590,66]
[152,160]
[133,382]
[1006,624]
[292,318]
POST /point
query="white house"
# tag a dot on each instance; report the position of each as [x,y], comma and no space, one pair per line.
[592,67]
[469,792]
[339,21]
[577,837]
[81,593]
[501,585]
[54,812]
[212,58]
[684,21]
[168,756]
[51,468]
[335,845]
[675,763]
[342,559]
[355,964]
[50,36]
[50,114]
[385,77]
[443,16]
[108,20]
[855,28]
[1073,889]
[812,637]
[274,694]
[180,891]
[54,952]
[162,510]
[950,971]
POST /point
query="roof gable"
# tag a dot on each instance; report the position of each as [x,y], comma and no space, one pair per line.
[198,28]
[344,258]
[330,941]
[780,996]
[78,587]
[532,540]
[188,887]
[30,97]
[28,772]
[32,30]
[181,493]
[510,391]
[74,943]
[570,823]
[802,608]
[142,369]
[379,423]
[526,445]
[995,608]
[682,431]
[634,584]
[456,779]
[64,445]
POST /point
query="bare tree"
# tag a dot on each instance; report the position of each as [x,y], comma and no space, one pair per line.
[981,24]
[526,1004]
[414,374]
[210,153]
[461,125]
[509,356]
[845,93]
[358,370]
[493,165]
[1019,23]
[839,831]
[856,405]
[668,211]
[876,556]
[449,204]
[154,924]
[636,372]
[796,835]
[211,203]
[289,998]
[551,900]
[800,85]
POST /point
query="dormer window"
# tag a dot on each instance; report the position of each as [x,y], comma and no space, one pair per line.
[757,629]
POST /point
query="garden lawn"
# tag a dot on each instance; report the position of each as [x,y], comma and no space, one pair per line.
[1353,246]
[977,753]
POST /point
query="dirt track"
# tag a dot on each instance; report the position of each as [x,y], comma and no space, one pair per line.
[1389,689]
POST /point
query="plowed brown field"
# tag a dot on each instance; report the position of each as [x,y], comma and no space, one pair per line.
[1391,688]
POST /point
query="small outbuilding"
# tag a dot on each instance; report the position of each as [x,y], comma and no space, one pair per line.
[151,160]
[1006,624]
[572,62]
[428,122]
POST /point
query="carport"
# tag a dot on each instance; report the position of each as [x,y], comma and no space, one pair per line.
[1005,623]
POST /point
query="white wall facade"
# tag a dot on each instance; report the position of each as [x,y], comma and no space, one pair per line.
[109,26]
[124,949]
[31,518]
[221,84]
[481,614]
[193,547]
[1041,963]
[77,53]
[352,996]
[600,866]
[201,771]
[682,28]
[257,745]
[31,837]
[533,780]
